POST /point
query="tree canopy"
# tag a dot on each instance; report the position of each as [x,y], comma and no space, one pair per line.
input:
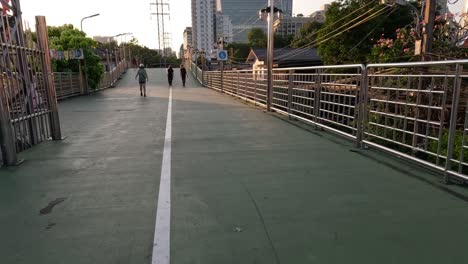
[350,26]
[257,38]
[67,37]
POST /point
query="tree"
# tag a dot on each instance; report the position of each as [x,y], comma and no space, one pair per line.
[149,57]
[307,34]
[240,51]
[66,38]
[449,33]
[346,38]
[283,41]
[257,38]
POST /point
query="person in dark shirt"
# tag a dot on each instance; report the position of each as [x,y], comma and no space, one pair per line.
[142,79]
[170,75]
[183,74]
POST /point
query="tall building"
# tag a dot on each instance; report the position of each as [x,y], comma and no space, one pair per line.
[292,25]
[203,24]
[319,15]
[223,27]
[243,15]
[187,38]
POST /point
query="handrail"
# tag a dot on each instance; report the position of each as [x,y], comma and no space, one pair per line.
[422,116]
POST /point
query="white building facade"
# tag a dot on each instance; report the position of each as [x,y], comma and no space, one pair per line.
[203,24]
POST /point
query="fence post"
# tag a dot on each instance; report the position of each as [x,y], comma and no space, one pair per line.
[290,92]
[238,83]
[59,90]
[43,43]
[317,90]
[71,83]
[453,121]
[361,117]
[222,81]
[255,87]
[7,139]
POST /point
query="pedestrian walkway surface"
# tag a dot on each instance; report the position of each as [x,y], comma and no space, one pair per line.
[247,187]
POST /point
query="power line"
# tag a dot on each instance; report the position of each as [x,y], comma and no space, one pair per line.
[329,35]
[334,23]
[320,41]
[339,20]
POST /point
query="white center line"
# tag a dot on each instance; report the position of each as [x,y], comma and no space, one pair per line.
[162,237]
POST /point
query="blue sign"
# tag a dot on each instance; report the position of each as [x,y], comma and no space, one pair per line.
[222,55]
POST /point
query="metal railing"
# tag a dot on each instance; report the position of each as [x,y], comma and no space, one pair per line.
[417,111]
[70,84]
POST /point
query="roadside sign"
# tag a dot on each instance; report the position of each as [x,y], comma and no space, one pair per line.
[79,55]
[222,55]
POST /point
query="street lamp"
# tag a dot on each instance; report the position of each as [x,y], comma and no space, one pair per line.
[269,13]
[81,24]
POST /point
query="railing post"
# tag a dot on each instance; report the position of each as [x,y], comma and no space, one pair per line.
[222,81]
[361,107]
[290,91]
[43,42]
[317,90]
[269,90]
[71,83]
[7,139]
[255,87]
[453,121]
[238,82]
[59,89]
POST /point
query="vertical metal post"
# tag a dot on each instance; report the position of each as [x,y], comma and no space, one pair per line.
[238,82]
[290,92]
[80,70]
[429,18]
[270,47]
[318,88]
[222,80]
[7,139]
[453,121]
[221,63]
[70,79]
[255,87]
[43,43]
[361,107]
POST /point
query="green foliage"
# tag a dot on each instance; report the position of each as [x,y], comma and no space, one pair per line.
[240,51]
[281,42]
[67,37]
[307,34]
[447,35]
[257,38]
[354,45]
[149,57]
[457,146]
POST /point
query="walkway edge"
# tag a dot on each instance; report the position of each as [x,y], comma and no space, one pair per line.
[161,242]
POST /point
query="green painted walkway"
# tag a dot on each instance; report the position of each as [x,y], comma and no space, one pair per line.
[247,187]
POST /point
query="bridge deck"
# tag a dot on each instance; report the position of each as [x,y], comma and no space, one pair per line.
[247,187]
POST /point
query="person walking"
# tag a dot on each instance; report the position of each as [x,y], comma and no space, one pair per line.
[170,75]
[142,79]
[183,74]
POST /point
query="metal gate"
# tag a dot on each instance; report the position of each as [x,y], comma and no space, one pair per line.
[28,105]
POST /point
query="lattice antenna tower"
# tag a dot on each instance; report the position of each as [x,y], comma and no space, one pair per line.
[160,9]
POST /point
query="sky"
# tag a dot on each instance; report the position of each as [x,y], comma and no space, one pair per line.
[119,16]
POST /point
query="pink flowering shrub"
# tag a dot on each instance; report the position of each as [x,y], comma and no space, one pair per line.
[449,35]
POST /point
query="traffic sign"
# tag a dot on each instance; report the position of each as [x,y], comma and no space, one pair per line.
[222,55]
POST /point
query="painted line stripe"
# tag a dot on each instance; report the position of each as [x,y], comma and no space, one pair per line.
[162,237]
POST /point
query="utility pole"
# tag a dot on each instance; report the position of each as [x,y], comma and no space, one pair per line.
[428,30]
[221,63]
[271,36]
